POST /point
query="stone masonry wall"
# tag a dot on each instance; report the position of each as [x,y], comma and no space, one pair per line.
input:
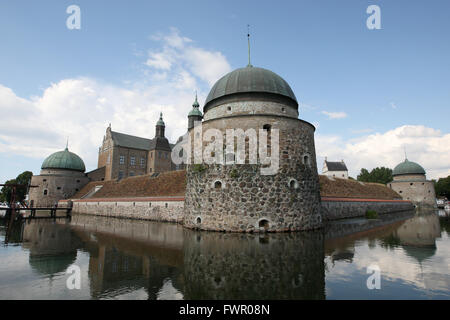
[157,209]
[247,200]
[334,209]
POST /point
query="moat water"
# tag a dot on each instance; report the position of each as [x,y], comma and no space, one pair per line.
[125,259]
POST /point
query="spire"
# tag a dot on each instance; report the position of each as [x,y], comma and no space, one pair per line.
[196,104]
[160,127]
[248,38]
[406,157]
[160,121]
[67,144]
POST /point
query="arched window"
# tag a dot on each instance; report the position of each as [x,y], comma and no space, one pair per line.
[218,185]
[198,220]
[264,224]
[293,184]
[267,127]
[306,160]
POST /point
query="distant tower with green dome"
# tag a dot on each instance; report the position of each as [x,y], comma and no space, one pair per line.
[62,175]
[410,182]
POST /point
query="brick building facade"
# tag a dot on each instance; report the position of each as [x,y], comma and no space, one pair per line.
[124,155]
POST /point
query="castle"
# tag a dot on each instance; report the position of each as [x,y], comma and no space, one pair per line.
[263,179]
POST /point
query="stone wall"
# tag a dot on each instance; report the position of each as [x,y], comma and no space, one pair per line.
[168,209]
[155,208]
[247,200]
[54,185]
[334,209]
[420,192]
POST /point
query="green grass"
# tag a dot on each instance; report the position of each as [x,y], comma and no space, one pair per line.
[371,214]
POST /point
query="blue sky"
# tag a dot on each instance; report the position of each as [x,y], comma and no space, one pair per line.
[370,93]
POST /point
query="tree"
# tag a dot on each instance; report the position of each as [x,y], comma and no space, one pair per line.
[442,187]
[24,178]
[379,175]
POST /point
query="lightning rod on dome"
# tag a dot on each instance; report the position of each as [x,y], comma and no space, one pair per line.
[248,39]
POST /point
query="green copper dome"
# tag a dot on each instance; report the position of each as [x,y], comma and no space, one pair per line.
[250,79]
[64,160]
[408,167]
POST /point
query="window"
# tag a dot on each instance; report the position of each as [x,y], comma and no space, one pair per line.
[120,175]
[293,184]
[151,169]
[45,192]
[263,224]
[58,188]
[131,174]
[122,160]
[198,220]
[142,162]
[267,127]
[229,108]
[78,181]
[283,110]
[132,161]
[159,155]
[306,161]
[44,180]
[218,185]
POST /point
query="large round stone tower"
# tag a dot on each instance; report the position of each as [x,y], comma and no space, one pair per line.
[280,194]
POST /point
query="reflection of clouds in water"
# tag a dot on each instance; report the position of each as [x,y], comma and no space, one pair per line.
[139,294]
[168,292]
[28,284]
[396,265]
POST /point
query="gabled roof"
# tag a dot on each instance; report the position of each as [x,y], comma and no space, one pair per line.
[336,166]
[129,141]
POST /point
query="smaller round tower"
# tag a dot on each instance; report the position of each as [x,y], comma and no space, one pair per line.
[62,175]
[410,182]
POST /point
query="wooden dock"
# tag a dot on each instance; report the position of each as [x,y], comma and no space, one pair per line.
[49,213]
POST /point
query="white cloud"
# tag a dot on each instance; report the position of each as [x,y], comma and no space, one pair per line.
[335,115]
[179,55]
[426,146]
[81,108]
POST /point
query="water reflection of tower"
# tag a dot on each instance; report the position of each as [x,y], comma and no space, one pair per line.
[53,247]
[245,266]
[417,236]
